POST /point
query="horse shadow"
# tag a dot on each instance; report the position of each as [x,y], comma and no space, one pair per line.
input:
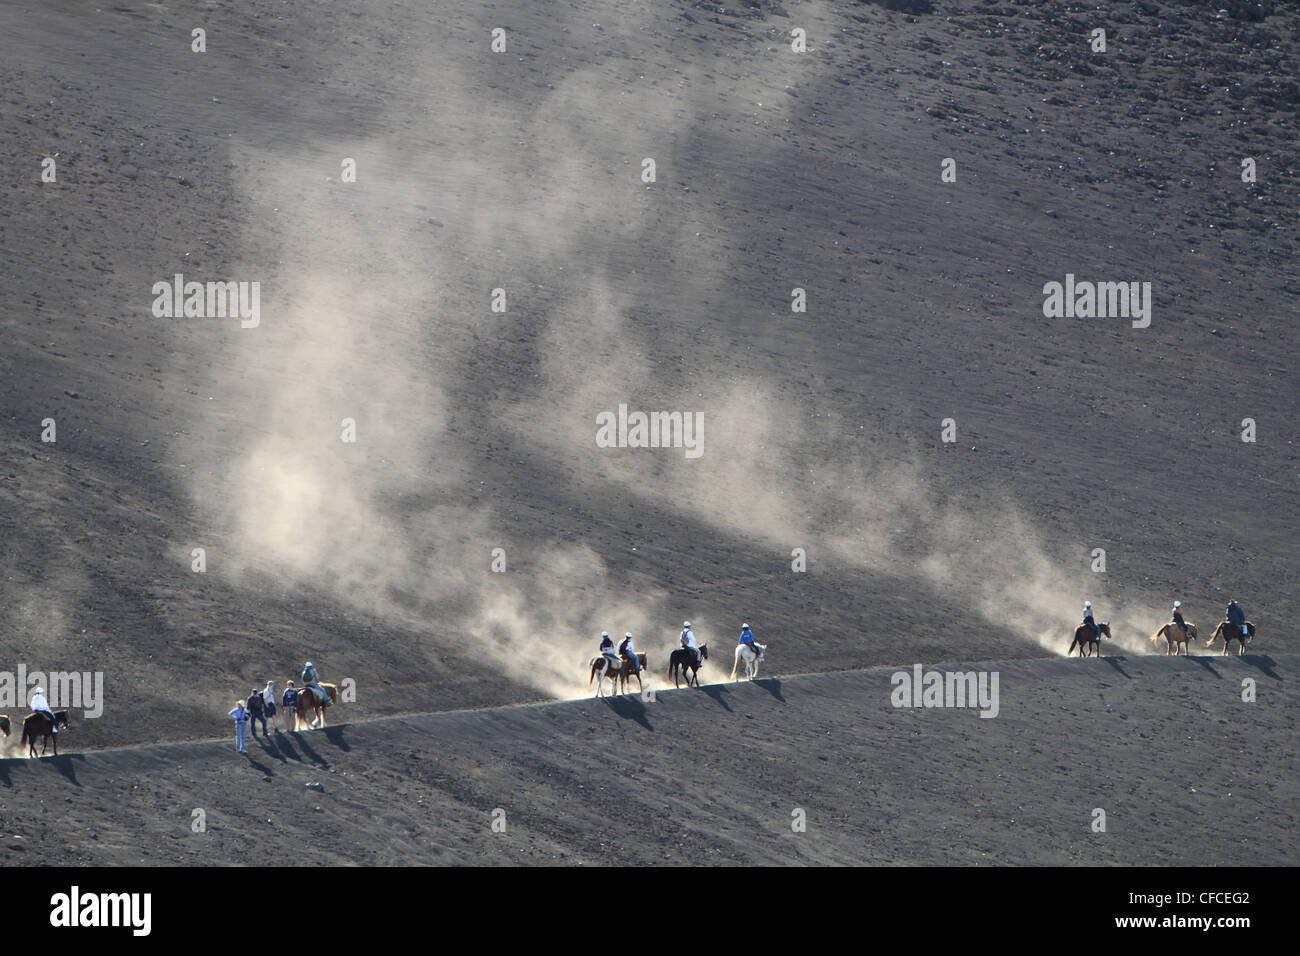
[335,736]
[629,707]
[1262,662]
[716,691]
[1207,663]
[63,764]
[771,685]
[1114,662]
[312,755]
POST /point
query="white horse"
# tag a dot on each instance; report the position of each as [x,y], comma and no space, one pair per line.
[752,660]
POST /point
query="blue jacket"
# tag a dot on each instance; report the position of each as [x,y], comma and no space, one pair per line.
[290,697]
[747,636]
[1235,614]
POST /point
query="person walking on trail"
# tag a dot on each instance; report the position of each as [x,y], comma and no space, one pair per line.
[290,704]
[268,696]
[256,711]
[240,716]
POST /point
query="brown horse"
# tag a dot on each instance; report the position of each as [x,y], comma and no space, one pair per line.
[626,671]
[307,701]
[1173,635]
[38,725]
[1083,636]
[1231,632]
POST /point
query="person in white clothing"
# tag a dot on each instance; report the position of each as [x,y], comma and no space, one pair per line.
[41,705]
[627,649]
[271,711]
[688,642]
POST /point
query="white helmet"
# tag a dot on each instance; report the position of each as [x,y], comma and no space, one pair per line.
[1087,604]
[686,623]
[1178,604]
[40,691]
[628,634]
[604,633]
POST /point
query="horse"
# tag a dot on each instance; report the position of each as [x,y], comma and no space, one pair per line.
[1173,635]
[38,725]
[681,659]
[602,668]
[1231,632]
[4,724]
[752,660]
[1084,637]
[307,699]
[626,670]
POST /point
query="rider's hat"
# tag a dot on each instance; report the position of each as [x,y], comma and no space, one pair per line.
[604,633]
[686,623]
[1087,604]
[628,634]
[1178,604]
[39,691]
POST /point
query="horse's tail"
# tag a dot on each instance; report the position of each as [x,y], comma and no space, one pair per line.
[1156,636]
[26,735]
[1072,643]
[592,678]
[736,663]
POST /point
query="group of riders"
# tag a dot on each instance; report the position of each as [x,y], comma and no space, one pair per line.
[1234,615]
[625,651]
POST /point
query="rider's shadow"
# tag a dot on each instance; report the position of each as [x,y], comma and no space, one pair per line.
[63,764]
[629,707]
[771,685]
[716,691]
[335,736]
[1114,662]
[311,754]
[1263,662]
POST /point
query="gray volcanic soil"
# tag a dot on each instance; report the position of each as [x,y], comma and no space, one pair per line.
[1186,772]
[521,170]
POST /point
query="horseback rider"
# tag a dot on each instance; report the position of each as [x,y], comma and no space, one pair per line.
[609,651]
[312,680]
[1235,615]
[627,650]
[1089,622]
[1178,617]
[747,637]
[688,642]
[41,706]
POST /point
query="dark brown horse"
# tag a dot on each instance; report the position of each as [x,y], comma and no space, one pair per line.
[307,703]
[681,659]
[1231,632]
[1086,640]
[39,725]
